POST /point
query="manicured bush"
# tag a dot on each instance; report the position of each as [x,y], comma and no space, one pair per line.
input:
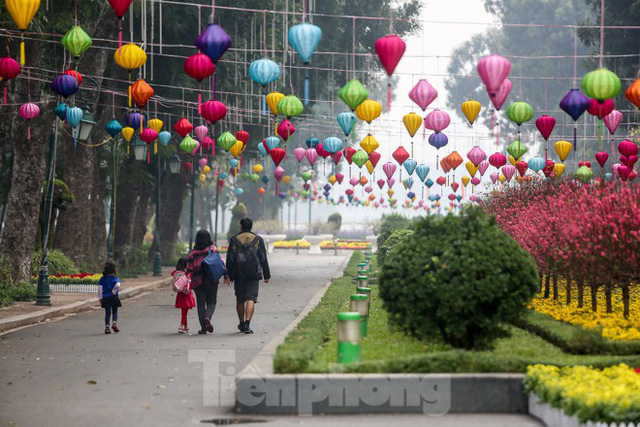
[390,223]
[238,212]
[58,263]
[335,221]
[460,276]
[396,237]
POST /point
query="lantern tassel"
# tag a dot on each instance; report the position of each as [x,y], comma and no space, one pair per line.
[148,156]
[155,147]
[22,54]
[575,138]
[29,132]
[389,95]
[199,103]
[120,33]
[306,87]
[264,100]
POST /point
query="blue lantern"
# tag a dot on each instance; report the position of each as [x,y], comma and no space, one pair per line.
[265,179]
[411,195]
[536,164]
[408,183]
[332,144]
[312,142]
[164,137]
[238,191]
[422,171]
[304,38]
[438,140]
[233,163]
[459,197]
[74,115]
[264,71]
[347,122]
[410,165]
[433,197]
[261,149]
[61,111]
[429,183]
[223,175]
[272,142]
[113,128]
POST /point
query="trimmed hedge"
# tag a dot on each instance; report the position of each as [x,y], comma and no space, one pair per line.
[391,223]
[395,238]
[300,346]
[573,338]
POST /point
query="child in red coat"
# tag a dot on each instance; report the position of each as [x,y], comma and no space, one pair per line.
[184,296]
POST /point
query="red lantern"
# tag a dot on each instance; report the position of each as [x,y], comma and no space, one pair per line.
[374,158]
[9,69]
[522,167]
[390,49]
[120,7]
[213,111]
[545,125]
[441,180]
[199,66]
[183,127]
[321,151]
[600,109]
[141,92]
[400,155]
[148,135]
[348,154]
[336,157]
[243,136]
[286,129]
[277,154]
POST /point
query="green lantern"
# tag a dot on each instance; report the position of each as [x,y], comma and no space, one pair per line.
[254,177]
[76,41]
[360,158]
[306,175]
[392,201]
[188,144]
[244,175]
[304,193]
[226,141]
[601,84]
[290,106]
[353,94]
[584,174]
[516,149]
[520,112]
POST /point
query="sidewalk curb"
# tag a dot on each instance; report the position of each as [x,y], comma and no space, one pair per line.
[76,307]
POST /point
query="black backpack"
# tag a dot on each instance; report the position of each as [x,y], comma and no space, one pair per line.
[247,259]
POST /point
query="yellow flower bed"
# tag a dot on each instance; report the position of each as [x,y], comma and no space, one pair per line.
[326,244]
[610,395]
[612,325]
[291,244]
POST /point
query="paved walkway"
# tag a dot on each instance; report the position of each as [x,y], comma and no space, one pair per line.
[68,373]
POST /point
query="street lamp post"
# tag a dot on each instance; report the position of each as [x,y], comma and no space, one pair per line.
[157,260]
[193,185]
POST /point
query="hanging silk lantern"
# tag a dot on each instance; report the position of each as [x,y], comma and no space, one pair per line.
[438,140]
[278,173]
[299,153]
[130,56]
[465,180]
[74,116]
[272,101]
[612,121]
[257,168]
[471,109]
[148,135]
[501,95]
[164,137]
[493,70]
[353,94]
[400,155]
[545,125]
[347,122]
[482,167]
[332,144]
[558,169]
[389,169]
[304,39]
[422,171]
[410,166]
[29,111]
[633,93]
[213,111]
[113,128]
[516,149]
[9,69]
[584,174]
[199,67]
[183,127]
[22,12]
[120,7]
[64,85]
[76,41]
[574,103]
[471,168]
[188,144]
[508,171]
[236,149]
[127,133]
[290,106]
[370,167]
[455,159]
[374,158]
[135,119]
[476,155]
[201,131]
[243,136]
[519,112]
[264,71]
[412,123]
[563,148]
[226,141]
[73,73]
[321,151]
[423,94]
[390,49]
[272,142]
[286,129]
[369,144]
[277,154]
[437,120]
[213,41]
[141,93]
[369,110]
[601,84]
[536,164]
[348,154]
[311,154]
[360,158]
[600,109]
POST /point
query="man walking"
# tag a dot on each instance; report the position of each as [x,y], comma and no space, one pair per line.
[247,264]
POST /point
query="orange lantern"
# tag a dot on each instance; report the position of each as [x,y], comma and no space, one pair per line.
[141,93]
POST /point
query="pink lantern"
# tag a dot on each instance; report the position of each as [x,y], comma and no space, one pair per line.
[339,177]
[476,155]
[202,131]
[508,171]
[602,157]
[494,177]
[475,181]
[278,173]
[286,129]
[29,111]
[493,70]
[368,189]
[336,157]
[311,154]
[208,143]
[482,167]
[299,153]
[437,120]
[380,183]
[545,125]
[389,169]
[497,160]
[612,121]
[390,182]
[502,94]
[213,111]
[148,135]
[353,182]
[628,148]
[390,49]
[423,94]
[202,162]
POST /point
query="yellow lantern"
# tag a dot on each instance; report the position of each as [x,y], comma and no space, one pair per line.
[206,169]
[272,100]
[332,179]
[513,160]
[519,179]
[369,144]
[130,56]
[236,149]
[465,180]
[127,132]
[390,193]
[412,123]
[203,177]
[471,109]
[437,203]
[471,168]
[502,178]
[156,124]
[257,168]
[558,169]
[366,203]
[286,179]
[563,148]
[369,110]
[369,166]
[22,12]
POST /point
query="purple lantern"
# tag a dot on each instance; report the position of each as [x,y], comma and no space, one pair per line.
[213,41]
[65,85]
[574,103]
[133,120]
[438,140]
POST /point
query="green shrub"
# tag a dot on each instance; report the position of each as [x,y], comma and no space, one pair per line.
[395,238]
[460,276]
[335,220]
[390,223]
[59,263]
[238,212]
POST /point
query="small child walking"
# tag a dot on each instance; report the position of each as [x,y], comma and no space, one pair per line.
[108,290]
[184,296]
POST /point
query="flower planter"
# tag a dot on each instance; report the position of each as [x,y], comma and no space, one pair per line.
[79,288]
[556,417]
[269,239]
[314,242]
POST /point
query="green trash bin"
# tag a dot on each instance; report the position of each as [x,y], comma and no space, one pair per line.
[362,280]
[349,334]
[363,290]
[360,304]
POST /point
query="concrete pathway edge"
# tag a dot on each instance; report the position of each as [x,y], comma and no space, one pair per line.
[49,313]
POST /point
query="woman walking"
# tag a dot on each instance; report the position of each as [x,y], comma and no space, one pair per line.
[206,290]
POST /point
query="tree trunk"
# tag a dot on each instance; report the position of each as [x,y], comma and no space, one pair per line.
[172,196]
[580,294]
[546,285]
[568,290]
[594,297]
[625,300]
[607,294]
[126,204]
[555,287]
[142,215]
[28,174]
